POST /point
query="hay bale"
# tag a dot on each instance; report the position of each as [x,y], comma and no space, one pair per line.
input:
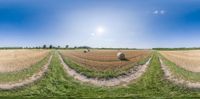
[84,51]
[121,56]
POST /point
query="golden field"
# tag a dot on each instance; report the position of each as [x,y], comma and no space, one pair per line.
[15,60]
[189,60]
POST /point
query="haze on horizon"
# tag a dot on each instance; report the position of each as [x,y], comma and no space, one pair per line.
[100,23]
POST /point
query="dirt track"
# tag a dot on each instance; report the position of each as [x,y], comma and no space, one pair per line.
[29,80]
[121,80]
[178,81]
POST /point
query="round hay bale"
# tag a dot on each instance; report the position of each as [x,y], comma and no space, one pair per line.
[121,56]
[84,51]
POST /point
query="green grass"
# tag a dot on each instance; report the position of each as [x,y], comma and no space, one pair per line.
[58,84]
[181,72]
[23,74]
[107,74]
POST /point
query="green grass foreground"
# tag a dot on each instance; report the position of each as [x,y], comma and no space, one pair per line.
[57,84]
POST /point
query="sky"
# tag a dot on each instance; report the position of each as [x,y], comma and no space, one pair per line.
[100,23]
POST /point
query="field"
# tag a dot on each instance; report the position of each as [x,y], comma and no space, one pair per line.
[189,60]
[183,64]
[58,83]
[16,65]
[104,63]
[15,60]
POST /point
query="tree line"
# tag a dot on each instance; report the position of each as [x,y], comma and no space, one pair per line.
[181,48]
[48,47]
[37,47]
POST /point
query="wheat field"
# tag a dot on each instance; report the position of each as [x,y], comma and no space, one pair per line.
[189,60]
[15,60]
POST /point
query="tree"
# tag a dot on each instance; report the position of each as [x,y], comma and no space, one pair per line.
[44,46]
[67,46]
[50,46]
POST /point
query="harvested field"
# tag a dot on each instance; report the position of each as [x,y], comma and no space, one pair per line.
[16,60]
[105,59]
[169,75]
[107,55]
[121,80]
[97,67]
[29,80]
[189,60]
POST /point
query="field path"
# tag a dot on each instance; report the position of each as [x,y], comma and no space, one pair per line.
[178,81]
[29,80]
[133,74]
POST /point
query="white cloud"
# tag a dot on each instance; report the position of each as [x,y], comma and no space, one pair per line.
[162,12]
[159,12]
[155,12]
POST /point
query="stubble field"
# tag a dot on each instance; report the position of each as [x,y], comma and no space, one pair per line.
[104,63]
[18,65]
[15,60]
[183,64]
[105,59]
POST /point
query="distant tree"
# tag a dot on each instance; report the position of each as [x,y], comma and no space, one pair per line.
[67,46]
[50,46]
[44,46]
[85,47]
[58,47]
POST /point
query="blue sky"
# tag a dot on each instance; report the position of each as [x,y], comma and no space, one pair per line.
[100,23]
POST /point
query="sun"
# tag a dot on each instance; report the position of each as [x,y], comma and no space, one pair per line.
[100,29]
